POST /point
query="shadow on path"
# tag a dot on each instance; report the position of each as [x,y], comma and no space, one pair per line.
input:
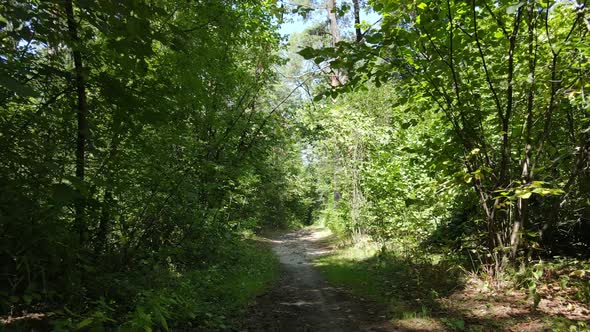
[303,301]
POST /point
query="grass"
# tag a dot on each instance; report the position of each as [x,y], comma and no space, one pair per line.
[345,268]
[256,268]
[435,294]
[214,298]
[233,287]
[407,288]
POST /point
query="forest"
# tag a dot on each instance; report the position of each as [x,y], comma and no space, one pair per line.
[154,153]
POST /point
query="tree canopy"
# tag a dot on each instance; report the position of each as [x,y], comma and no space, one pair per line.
[147,137]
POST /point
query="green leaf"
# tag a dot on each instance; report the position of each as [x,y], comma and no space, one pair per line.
[84,323]
[17,87]
[308,53]
[467,178]
[422,5]
[526,195]
[63,193]
[578,273]
[374,38]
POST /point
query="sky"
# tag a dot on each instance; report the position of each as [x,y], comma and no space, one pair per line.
[296,24]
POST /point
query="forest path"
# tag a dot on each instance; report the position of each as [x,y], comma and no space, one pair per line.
[303,301]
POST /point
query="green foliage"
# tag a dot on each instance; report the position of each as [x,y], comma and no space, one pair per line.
[455,324]
[389,168]
[209,298]
[432,292]
[571,275]
[138,139]
[385,275]
[562,324]
[464,102]
[407,285]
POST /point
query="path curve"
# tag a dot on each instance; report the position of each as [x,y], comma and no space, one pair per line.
[303,301]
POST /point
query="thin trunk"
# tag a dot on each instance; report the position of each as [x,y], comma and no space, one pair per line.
[503,223]
[483,61]
[82,111]
[505,119]
[335,79]
[357,20]
[555,85]
[526,175]
[104,225]
[494,238]
[553,103]
[357,194]
[452,64]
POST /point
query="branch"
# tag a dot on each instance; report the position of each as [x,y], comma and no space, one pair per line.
[483,60]
[498,21]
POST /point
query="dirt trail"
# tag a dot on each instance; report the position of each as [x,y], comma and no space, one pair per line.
[303,301]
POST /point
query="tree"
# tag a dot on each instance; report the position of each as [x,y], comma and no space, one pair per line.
[477,62]
[177,130]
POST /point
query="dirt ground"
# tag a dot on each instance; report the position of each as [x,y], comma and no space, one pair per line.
[302,300]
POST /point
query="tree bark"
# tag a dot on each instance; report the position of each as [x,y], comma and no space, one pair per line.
[357,20]
[334,30]
[526,175]
[82,111]
[335,79]
[505,118]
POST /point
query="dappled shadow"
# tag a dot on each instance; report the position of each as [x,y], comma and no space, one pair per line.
[301,300]
[416,295]
[426,296]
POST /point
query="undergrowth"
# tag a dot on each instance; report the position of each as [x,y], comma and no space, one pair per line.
[408,286]
[160,298]
[432,292]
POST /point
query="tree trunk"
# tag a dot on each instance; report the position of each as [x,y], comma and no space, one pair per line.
[104,225]
[335,79]
[334,30]
[82,111]
[526,175]
[357,20]
[505,119]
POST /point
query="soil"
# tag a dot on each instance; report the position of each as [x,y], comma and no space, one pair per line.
[302,300]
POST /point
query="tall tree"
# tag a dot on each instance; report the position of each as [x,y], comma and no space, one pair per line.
[82,110]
